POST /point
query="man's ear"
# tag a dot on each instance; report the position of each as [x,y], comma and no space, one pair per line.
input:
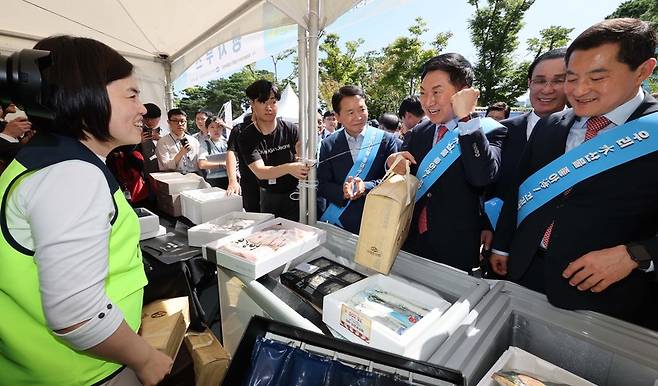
[645,69]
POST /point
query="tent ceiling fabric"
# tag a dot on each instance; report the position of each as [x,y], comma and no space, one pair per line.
[182,30]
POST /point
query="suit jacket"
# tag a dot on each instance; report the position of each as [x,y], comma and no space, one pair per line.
[332,173]
[453,201]
[511,154]
[614,207]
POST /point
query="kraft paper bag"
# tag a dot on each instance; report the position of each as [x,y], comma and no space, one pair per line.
[386,219]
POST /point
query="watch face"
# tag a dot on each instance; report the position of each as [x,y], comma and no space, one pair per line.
[640,255]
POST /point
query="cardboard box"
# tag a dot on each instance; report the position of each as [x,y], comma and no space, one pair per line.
[207,232]
[169,204]
[254,269]
[210,359]
[419,341]
[201,205]
[168,307]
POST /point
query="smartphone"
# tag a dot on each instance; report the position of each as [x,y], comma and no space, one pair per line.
[183,141]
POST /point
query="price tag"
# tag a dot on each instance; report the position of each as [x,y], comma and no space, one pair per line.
[355,322]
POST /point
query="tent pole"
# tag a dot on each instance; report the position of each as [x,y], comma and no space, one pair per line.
[313,33]
[169,86]
[302,83]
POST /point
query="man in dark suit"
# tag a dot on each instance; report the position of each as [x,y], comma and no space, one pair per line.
[339,152]
[546,77]
[446,224]
[591,246]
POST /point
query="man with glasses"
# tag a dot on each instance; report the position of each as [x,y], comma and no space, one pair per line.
[546,77]
[177,151]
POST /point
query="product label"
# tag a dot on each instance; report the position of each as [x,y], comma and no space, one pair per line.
[355,322]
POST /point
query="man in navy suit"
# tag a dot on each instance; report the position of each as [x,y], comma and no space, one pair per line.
[351,160]
[446,224]
[591,246]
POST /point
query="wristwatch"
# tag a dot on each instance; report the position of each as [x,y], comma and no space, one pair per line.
[640,255]
[469,117]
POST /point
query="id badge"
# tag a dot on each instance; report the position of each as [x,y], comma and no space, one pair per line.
[272,181]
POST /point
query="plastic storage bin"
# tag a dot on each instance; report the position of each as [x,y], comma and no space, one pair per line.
[605,352]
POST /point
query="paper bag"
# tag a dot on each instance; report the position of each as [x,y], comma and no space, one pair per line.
[164,323]
[210,359]
[386,219]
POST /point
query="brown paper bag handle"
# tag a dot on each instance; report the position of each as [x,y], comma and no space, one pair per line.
[395,163]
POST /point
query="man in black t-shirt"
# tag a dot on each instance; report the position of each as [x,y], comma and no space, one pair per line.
[248,182]
[268,146]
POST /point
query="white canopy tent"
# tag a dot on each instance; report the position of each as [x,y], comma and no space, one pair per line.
[289,105]
[163,38]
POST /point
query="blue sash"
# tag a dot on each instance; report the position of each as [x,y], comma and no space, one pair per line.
[364,160]
[492,209]
[443,154]
[605,151]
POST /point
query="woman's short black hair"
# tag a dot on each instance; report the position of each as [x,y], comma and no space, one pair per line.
[77,86]
[261,89]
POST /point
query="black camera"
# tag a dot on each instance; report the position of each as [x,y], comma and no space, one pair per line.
[22,82]
[183,142]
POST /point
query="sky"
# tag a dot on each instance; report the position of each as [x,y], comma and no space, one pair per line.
[379,22]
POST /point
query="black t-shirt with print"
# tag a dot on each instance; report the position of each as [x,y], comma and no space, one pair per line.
[276,148]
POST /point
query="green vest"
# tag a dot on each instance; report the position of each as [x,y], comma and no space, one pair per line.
[30,353]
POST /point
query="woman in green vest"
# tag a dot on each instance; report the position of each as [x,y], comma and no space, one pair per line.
[71,274]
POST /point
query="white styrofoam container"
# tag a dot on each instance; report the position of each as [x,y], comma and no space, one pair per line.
[419,341]
[174,182]
[515,359]
[158,232]
[148,221]
[253,270]
[201,205]
[204,233]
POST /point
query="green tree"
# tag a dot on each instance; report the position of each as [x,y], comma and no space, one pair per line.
[215,93]
[339,68]
[646,10]
[639,9]
[395,73]
[549,38]
[494,32]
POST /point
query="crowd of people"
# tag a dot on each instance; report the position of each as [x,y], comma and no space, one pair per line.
[586,236]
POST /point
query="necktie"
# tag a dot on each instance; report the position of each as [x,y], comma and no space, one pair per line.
[422,216]
[594,125]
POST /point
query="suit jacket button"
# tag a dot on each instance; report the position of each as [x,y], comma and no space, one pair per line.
[429,195]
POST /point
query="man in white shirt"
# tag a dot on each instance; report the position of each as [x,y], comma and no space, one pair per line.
[177,151]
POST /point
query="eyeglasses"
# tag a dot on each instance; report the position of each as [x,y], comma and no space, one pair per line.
[178,121]
[541,83]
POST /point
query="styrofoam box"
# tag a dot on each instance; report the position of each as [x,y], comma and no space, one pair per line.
[201,205]
[174,182]
[253,270]
[202,234]
[515,359]
[148,221]
[158,232]
[419,341]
